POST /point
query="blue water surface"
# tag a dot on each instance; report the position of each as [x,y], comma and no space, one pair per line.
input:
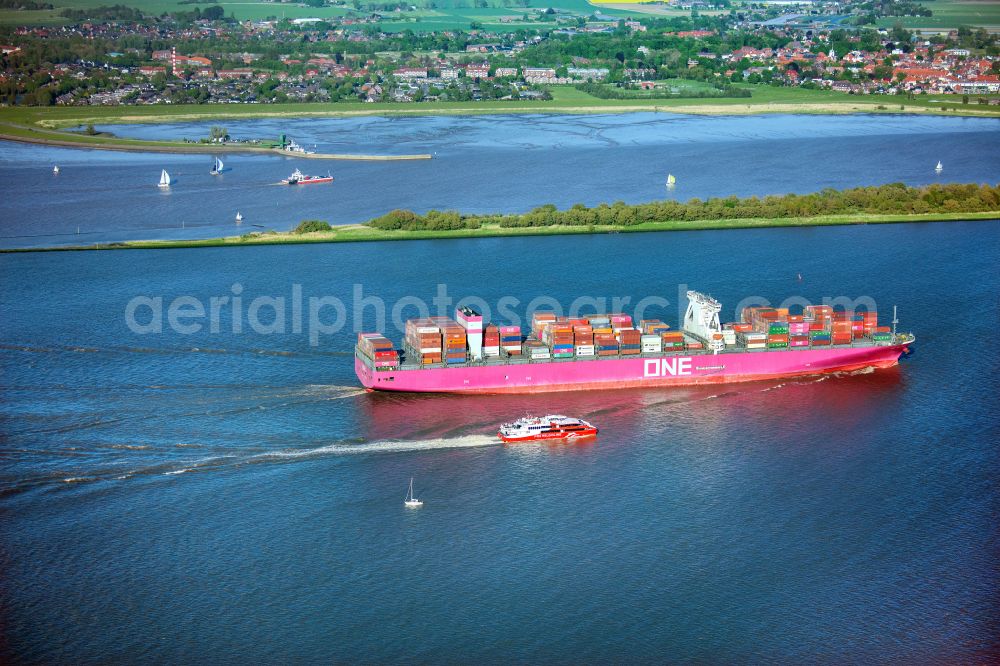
[486,164]
[233,497]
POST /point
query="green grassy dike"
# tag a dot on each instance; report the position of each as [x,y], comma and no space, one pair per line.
[357,233]
[49,137]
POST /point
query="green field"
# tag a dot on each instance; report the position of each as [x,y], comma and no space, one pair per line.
[951,14]
[458,14]
[44,17]
[244,9]
[447,14]
[764,96]
[676,87]
[359,233]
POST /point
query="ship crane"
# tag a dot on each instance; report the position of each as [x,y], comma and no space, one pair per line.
[702,320]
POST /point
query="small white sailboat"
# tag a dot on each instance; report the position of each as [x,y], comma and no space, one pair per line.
[164,179]
[239,217]
[217,167]
[412,501]
[55,169]
[939,168]
[671,180]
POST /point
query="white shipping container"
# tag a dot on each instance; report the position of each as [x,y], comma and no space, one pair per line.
[650,339]
[651,348]
[428,329]
[585,350]
[430,350]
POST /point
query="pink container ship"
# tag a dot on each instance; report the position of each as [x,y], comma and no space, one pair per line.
[461,355]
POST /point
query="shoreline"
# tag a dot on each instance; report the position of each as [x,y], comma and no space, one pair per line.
[46,125]
[145,146]
[357,233]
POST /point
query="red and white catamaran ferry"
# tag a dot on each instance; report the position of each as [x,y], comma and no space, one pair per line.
[553,426]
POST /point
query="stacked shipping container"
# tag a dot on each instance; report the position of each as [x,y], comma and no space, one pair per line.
[629,341]
[491,341]
[455,343]
[423,338]
[510,339]
[818,325]
[379,349]
[434,340]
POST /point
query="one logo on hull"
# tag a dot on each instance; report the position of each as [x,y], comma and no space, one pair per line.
[667,367]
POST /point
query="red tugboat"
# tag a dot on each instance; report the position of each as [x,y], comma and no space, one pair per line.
[553,426]
[299,178]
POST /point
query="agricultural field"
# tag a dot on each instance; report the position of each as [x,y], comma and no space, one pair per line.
[761,97]
[242,10]
[445,14]
[951,14]
[654,9]
[43,17]
[460,14]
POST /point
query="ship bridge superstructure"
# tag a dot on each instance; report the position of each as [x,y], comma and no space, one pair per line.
[702,320]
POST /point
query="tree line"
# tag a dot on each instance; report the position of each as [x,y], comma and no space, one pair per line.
[892,199]
[24,5]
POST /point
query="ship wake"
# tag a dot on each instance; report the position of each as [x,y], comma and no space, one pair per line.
[382,446]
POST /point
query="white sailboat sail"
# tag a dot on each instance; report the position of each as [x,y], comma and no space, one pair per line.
[164,179]
[939,168]
[410,500]
[217,167]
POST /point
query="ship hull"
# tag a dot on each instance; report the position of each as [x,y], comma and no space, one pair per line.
[635,372]
[549,437]
[309,181]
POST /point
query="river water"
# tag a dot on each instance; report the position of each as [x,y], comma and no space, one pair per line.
[480,164]
[234,497]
